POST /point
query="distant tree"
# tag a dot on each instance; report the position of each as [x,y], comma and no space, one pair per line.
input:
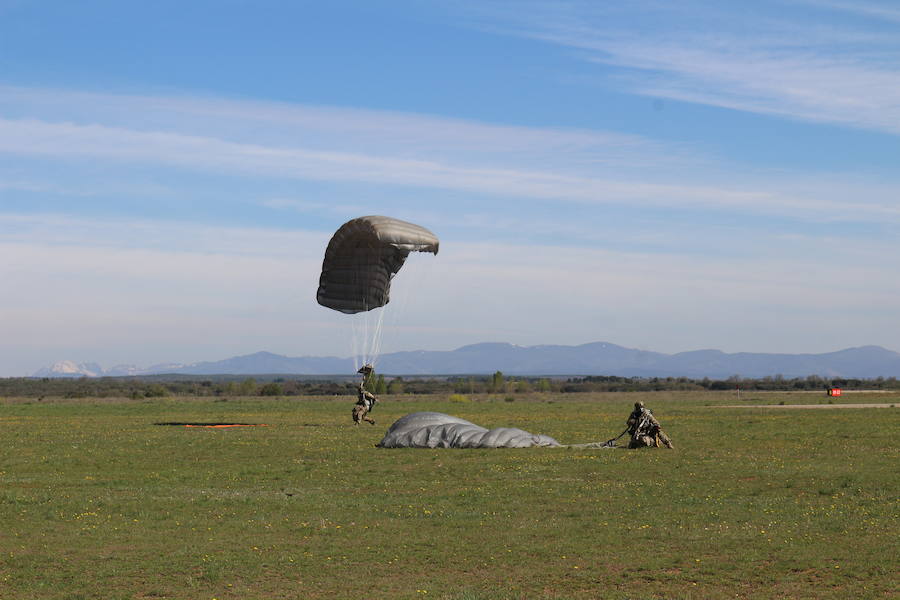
[271,389]
[380,385]
[544,385]
[395,386]
[247,387]
[156,391]
[497,382]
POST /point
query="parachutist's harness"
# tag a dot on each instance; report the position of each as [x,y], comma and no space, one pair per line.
[640,421]
[367,399]
[643,425]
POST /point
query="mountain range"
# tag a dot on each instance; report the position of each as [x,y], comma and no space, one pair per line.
[598,358]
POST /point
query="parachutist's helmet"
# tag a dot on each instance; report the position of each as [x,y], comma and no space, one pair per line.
[638,405]
[366,369]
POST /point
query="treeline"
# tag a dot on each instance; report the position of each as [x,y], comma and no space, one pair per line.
[777,383]
[159,386]
[498,383]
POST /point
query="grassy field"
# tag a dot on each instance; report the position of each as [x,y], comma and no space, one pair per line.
[96,501]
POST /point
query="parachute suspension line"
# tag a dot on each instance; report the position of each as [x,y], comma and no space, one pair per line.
[376,322]
[362,349]
[367,348]
[362,338]
[355,342]
[375,350]
[367,328]
[360,323]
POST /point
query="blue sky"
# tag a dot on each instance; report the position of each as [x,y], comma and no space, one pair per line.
[665,176]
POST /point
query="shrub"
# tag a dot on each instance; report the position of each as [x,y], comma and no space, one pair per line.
[395,386]
[156,391]
[271,389]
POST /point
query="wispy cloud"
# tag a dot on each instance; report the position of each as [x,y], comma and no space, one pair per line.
[794,66]
[402,135]
[58,230]
[72,141]
[876,11]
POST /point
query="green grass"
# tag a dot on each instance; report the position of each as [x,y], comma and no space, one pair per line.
[98,502]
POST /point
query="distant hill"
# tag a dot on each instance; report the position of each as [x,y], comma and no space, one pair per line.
[599,358]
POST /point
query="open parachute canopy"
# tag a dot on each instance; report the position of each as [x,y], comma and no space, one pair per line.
[437,430]
[362,257]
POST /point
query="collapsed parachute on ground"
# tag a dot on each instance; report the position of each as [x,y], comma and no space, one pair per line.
[437,430]
[362,257]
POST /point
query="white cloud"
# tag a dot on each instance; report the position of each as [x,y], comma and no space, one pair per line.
[206,293]
[877,11]
[403,135]
[503,164]
[88,142]
[63,230]
[813,88]
[801,69]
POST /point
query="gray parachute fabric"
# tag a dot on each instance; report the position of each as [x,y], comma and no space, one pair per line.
[362,257]
[437,430]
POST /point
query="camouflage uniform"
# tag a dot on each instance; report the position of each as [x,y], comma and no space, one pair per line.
[645,429]
[363,405]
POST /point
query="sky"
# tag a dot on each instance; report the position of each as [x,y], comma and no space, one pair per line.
[658,175]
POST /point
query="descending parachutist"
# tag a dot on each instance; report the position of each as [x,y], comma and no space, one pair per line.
[362,257]
[364,405]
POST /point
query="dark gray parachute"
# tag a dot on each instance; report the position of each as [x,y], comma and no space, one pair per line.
[362,257]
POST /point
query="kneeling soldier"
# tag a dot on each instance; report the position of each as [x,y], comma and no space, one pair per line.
[645,429]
